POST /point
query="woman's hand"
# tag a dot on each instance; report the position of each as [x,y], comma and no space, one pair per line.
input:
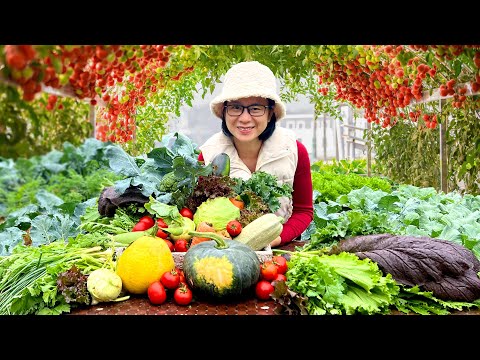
[276,242]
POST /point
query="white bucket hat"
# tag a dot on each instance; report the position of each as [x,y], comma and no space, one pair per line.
[246,79]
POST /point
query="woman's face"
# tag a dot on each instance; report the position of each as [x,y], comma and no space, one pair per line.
[247,127]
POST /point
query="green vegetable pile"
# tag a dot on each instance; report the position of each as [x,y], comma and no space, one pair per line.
[338,284]
[49,247]
[343,284]
[28,277]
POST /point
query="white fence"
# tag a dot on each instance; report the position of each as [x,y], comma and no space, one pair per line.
[326,138]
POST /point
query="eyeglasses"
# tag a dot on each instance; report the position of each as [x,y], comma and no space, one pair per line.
[254,110]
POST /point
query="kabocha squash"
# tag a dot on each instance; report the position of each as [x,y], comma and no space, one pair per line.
[261,231]
[221,269]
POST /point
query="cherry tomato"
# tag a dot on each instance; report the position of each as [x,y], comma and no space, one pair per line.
[170,245]
[263,289]
[181,245]
[148,220]
[281,264]
[280,277]
[181,274]
[161,223]
[268,271]
[141,226]
[234,228]
[186,212]
[161,234]
[182,295]
[156,293]
[170,279]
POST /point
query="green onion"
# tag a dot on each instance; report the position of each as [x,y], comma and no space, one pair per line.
[20,271]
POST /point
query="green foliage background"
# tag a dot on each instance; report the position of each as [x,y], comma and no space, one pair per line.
[28,129]
[409,153]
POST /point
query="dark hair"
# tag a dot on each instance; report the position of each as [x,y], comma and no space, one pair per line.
[264,135]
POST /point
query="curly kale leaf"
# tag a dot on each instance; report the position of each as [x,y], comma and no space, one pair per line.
[266,186]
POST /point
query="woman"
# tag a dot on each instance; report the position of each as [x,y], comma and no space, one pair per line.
[249,108]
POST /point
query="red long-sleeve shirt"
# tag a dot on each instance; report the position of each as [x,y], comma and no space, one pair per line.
[302,197]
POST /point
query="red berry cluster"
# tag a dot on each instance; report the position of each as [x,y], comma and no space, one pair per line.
[118,76]
[384,79]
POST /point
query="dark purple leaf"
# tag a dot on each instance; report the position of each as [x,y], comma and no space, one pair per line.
[447,269]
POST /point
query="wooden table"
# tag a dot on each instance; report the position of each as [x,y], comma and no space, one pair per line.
[140,305]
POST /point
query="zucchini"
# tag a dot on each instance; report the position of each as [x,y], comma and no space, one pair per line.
[261,232]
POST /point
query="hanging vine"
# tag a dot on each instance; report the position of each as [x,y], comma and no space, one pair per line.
[137,89]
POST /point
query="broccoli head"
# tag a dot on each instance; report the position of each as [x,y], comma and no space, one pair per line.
[169,183]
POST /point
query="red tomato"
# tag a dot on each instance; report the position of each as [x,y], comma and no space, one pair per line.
[170,245]
[281,264]
[161,234]
[141,226]
[181,245]
[170,279]
[280,277]
[183,295]
[263,289]
[186,212]
[161,223]
[234,228]
[181,274]
[148,220]
[156,293]
[268,271]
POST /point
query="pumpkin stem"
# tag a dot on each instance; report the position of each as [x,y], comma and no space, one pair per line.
[221,244]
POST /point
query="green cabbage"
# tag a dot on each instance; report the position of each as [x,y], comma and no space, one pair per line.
[218,212]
